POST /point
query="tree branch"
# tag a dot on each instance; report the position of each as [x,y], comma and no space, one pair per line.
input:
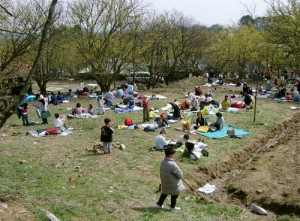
[6,11]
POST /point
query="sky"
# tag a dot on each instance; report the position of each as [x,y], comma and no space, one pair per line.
[210,12]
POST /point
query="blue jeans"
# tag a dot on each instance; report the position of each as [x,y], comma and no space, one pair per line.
[110,103]
[25,119]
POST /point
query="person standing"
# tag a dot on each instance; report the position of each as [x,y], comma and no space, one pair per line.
[171,183]
[24,114]
[109,99]
[100,108]
[145,109]
[42,107]
[106,136]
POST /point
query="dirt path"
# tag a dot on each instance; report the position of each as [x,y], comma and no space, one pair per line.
[267,172]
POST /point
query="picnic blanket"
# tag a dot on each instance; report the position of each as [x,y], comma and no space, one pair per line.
[121,109]
[223,133]
[192,131]
[45,132]
[264,95]
[156,96]
[83,115]
[171,121]
[230,110]
[167,108]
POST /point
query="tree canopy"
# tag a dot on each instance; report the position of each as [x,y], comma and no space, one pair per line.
[113,37]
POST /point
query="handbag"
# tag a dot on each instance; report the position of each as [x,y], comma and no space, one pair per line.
[230,131]
[45,114]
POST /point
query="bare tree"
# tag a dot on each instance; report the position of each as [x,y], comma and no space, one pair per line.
[9,103]
[102,36]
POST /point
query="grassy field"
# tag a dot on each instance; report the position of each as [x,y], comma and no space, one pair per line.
[122,185]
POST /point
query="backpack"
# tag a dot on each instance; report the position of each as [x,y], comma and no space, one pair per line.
[204,153]
[128,121]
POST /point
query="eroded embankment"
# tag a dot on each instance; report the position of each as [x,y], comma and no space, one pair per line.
[267,171]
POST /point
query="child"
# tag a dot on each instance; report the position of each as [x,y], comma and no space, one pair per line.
[145,109]
[162,121]
[100,108]
[58,122]
[106,136]
[90,109]
[232,101]
[219,123]
[24,111]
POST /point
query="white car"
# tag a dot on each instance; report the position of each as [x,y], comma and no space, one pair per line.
[142,77]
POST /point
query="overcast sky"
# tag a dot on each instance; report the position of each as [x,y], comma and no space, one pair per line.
[209,12]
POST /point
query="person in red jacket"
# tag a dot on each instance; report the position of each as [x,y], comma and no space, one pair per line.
[145,106]
[198,91]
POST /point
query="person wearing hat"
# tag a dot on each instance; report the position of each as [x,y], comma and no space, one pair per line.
[162,120]
[160,140]
[171,183]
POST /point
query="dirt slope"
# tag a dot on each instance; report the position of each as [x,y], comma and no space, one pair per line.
[266,172]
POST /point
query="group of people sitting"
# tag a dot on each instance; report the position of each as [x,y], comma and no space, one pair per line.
[79,110]
[293,95]
[61,97]
[182,142]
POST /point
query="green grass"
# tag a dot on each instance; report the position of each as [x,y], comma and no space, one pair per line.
[120,186]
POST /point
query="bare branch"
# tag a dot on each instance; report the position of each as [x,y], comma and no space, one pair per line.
[6,11]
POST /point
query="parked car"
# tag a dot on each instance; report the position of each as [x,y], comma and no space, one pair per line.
[142,77]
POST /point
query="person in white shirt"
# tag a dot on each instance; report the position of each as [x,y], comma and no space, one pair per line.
[109,96]
[130,89]
[119,92]
[58,122]
[160,140]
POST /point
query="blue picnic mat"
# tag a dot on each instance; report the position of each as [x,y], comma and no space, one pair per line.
[223,133]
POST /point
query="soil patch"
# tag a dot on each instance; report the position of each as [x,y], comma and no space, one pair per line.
[266,172]
[14,211]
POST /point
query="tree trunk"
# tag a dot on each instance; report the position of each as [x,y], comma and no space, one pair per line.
[8,104]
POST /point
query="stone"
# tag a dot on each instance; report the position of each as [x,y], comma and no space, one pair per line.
[3,205]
